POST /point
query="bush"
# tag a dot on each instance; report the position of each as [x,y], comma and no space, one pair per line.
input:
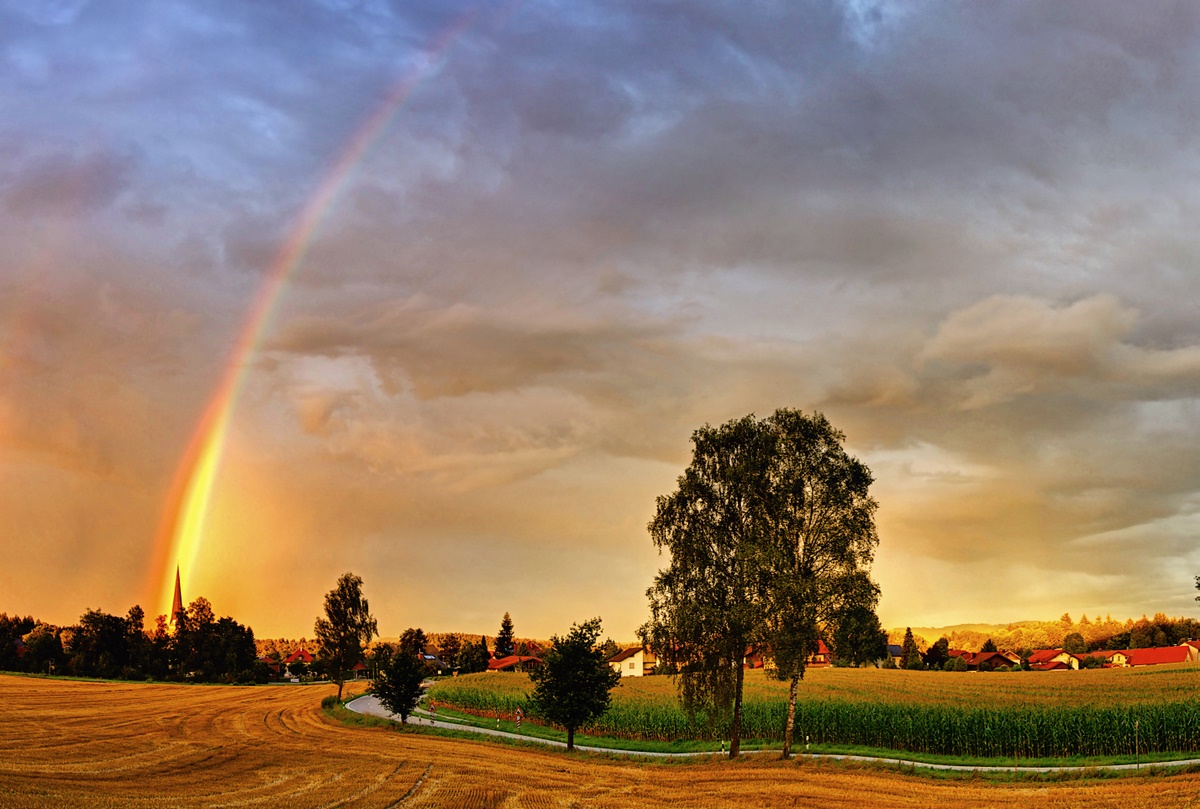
[330,701]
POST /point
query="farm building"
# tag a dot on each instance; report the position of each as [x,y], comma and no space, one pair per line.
[987,661]
[821,657]
[633,661]
[1109,659]
[1053,660]
[1160,655]
[514,663]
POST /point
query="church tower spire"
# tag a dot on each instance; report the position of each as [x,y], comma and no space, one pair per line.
[177,604]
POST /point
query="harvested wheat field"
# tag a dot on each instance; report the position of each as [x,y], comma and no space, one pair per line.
[115,744]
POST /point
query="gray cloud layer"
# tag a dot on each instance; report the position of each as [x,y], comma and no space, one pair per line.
[965,232]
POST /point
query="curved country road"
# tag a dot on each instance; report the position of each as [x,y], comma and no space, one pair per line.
[370,705]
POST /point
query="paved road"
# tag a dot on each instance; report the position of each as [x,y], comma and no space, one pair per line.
[370,705]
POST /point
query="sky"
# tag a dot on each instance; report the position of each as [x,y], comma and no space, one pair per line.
[460,279]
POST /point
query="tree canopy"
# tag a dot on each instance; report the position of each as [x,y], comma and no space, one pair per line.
[473,657]
[398,684]
[770,534]
[571,687]
[346,628]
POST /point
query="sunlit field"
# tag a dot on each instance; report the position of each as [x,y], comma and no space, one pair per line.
[1112,712]
[1129,686]
[85,744]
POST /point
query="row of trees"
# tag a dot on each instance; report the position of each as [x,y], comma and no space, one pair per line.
[202,647]
[771,534]
[572,687]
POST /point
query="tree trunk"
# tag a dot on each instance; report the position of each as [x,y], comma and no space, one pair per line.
[790,727]
[735,735]
[339,690]
[570,739]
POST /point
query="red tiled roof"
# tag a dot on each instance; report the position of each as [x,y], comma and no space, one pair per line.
[1153,657]
[625,654]
[822,649]
[510,661]
[1054,665]
[302,655]
[1001,658]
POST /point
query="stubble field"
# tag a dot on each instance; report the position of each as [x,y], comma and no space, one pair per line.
[147,745]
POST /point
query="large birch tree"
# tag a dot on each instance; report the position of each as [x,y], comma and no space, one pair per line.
[771,534]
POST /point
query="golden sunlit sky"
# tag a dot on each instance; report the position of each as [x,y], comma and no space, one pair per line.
[436,292]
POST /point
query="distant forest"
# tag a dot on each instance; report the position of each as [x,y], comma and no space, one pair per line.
[1098,634]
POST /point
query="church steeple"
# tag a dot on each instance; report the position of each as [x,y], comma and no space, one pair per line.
[177,604]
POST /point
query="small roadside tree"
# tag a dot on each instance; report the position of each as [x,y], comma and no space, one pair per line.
[346,628]
[398,684]
[571,687]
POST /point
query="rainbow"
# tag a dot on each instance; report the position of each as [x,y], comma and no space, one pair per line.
[181,532]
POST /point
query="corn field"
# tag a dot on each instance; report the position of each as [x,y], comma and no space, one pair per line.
[1008,717]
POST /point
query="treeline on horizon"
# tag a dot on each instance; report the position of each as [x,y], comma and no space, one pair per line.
[202,648]
[1096,633]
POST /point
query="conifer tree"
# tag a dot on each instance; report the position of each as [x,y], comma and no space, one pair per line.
[504,639]
[911,658]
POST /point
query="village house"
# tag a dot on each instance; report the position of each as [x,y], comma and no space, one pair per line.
[986,661]
[1160,655]
[1108,658]
[1052,660]
[301,655]
[633,661]
[820,658]
[514,663]
[989,661]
